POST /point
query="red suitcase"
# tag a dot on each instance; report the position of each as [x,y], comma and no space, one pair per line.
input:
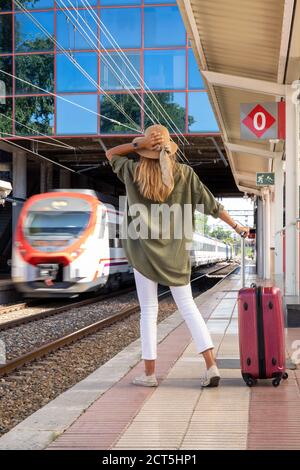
[261,335]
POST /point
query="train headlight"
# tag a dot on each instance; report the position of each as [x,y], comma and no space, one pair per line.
[59,204]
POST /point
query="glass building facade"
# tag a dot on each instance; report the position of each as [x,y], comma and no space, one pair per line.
[80,63]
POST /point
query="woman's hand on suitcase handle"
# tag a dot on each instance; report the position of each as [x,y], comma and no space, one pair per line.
[242,231]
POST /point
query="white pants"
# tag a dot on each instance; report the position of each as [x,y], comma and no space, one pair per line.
[147,295]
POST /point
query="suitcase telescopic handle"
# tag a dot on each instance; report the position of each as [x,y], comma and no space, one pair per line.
[243,267]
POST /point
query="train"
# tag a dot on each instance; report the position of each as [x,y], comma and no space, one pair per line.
[67,243]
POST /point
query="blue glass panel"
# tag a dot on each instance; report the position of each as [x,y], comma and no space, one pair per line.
[124,24]
[71,36]
[6,5]
[35,4]
[72,119]
[164,27]
[70,78]
[28,34]
[5,34]
[35,112]
[173,113]
[76,3]
[195,77]
[37,69]
[109,110]
[120,2]
[165,70]
[110,80]
[201,116]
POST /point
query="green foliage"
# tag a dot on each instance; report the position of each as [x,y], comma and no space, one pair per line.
[5,34]
[36,69]
[35,112]
[221,234]
[5,108]
[175,111]
[201,223]
[109,109]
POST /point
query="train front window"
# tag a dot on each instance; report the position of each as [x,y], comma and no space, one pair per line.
[67,224]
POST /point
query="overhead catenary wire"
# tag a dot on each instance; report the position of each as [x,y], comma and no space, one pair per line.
[126,61]
[33,139]
[87,38]
[73,60]
[136,76]
[59,144]
[32,152]
[68,101]
[114,43]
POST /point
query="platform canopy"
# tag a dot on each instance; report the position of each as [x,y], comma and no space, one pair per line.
[247,51]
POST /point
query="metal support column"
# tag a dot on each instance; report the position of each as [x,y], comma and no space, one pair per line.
[64,179]
[19,184]
[292,198]
[266,239]
[278,219]
[46,177]
[260,238]
[49,177]
[43,172]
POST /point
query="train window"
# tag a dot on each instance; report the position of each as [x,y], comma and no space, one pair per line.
[56,223]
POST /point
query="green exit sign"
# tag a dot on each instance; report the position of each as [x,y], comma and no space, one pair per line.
[265,179]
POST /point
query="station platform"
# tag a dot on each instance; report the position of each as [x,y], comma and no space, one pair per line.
[106,411]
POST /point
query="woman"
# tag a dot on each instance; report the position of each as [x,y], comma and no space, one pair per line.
[154,183]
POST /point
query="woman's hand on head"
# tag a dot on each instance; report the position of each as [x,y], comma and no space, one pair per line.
[152,142]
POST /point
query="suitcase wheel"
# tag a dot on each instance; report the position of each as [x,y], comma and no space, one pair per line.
[250,382]
[285,375]
[275,382]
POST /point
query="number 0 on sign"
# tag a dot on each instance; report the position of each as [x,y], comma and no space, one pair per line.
[261,121]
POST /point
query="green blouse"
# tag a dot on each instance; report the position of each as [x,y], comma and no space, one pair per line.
[164,257]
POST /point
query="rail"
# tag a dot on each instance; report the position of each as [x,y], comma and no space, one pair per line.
[53,346]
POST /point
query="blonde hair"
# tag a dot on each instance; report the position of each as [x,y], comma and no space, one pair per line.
[149,178]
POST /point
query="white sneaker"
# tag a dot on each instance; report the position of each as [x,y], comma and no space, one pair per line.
[211,378]
[146,380]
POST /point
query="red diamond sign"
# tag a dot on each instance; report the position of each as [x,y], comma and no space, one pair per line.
[259,120]
[262,121]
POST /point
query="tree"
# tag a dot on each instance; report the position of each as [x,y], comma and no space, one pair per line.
[201,223]
[221,234]
[132,108]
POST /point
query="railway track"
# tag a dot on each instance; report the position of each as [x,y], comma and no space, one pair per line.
[66,340]
[57,310]
[65,308]
[17,306]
